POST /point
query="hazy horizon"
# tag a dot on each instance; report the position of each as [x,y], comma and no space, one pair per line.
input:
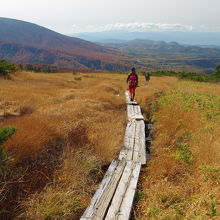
[69,17]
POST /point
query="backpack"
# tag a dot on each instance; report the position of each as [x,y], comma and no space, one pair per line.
[147,76]
[132,80]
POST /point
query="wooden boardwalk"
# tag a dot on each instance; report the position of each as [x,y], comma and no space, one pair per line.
[114,197]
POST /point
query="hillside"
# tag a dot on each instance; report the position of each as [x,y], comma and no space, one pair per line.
[23,42]
[169,55]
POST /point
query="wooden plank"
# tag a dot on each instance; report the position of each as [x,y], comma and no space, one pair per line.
[123,154]
[127,151]
[101,206]
[130,112]
[143,129]
[121,189]
[126,95]
[134,112]
[126,205]
[127,130]
[136,142]
[142,150]
[89,211]
[103,195]
[139,143]
[130,149]
[137,109]
[130,131]
[138,115]
[136,155]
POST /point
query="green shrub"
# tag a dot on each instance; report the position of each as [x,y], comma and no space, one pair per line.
[7,68]
[164,73]
[5,134]
[212,207]
[217,68]
[78,78]
[214,77]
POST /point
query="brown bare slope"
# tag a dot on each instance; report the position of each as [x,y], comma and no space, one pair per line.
[24,42]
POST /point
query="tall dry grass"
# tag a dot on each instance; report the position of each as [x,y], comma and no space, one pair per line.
[57,116]
[182,178]
[69,129]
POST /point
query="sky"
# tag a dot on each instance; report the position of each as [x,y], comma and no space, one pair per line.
[75,16]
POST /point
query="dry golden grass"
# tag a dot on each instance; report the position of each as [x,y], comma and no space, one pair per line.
[183,176]
[69,126]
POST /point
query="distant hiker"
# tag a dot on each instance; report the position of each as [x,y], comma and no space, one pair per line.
[147,76]
[133,83]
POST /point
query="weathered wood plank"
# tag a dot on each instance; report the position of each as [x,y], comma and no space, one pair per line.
[130,149]
[130,112]
[139,144]
[126,205]
[121,189]
[136,156]
[89,211]
[129,132]
[127,152]
[137,109]
[123,154]
[142,143]
[134,112]
[103,196]
[127,96]
[101,206]
[137,113]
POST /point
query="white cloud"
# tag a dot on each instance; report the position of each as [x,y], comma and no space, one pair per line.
[141,27]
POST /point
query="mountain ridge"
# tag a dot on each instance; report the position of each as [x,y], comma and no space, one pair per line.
[169,55]
[188,38]
[24,42]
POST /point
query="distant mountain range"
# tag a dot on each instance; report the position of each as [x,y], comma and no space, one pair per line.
[188,38]
[26,43]
[23,42]
[176,50]
[162,49]
[163,55]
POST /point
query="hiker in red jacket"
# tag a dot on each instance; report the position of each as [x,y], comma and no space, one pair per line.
[133,83]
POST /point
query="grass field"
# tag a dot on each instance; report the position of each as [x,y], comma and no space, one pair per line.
[183,176]
[69,128]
